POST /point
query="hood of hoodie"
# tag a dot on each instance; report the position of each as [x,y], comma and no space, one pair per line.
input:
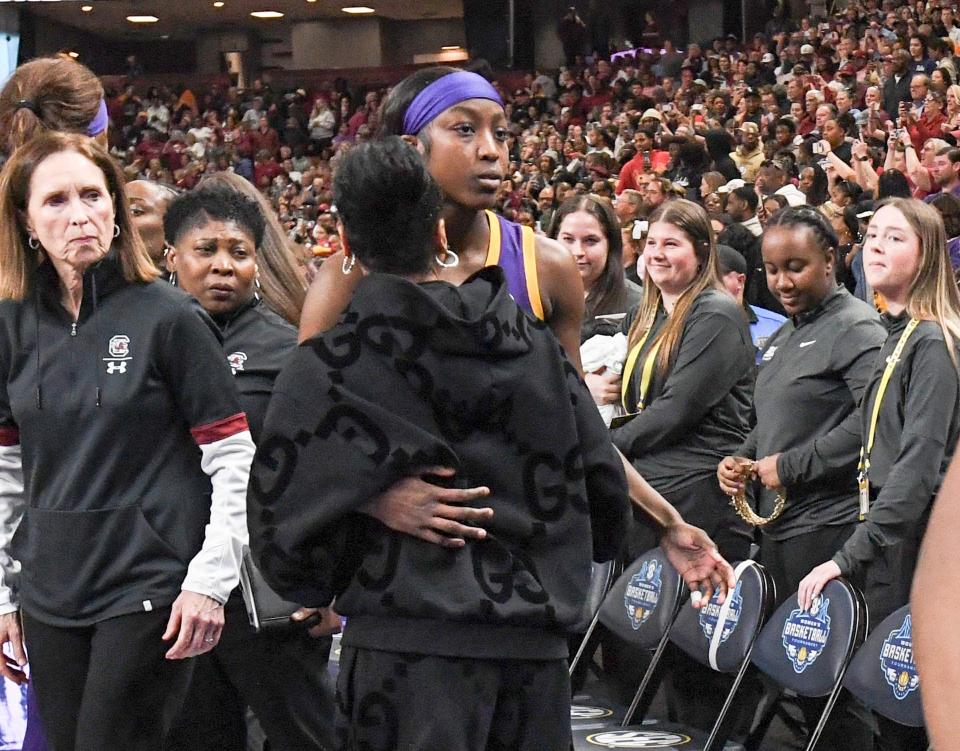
[476,318]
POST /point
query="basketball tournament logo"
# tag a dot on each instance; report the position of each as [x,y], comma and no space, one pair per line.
[583,712]
[119,350]
[643,592]
[710,614]
[896,660]
[806,634]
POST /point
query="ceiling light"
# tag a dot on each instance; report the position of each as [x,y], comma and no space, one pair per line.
[311,1]
[218,4]
[267,14]
[358,9]
[74,55]
[142,19]
[86,8]
[451,47]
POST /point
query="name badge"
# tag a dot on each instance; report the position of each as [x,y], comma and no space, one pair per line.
[863,483]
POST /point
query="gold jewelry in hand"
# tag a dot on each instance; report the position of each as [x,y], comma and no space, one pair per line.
[748,469]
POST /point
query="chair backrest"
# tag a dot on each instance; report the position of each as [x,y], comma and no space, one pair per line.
[883,675]
[722,636]
[601,577]
[808,652]
[642,604]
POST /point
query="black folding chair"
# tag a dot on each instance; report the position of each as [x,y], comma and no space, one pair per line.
[719,637]
[640,609]
[809,652]
[883,675]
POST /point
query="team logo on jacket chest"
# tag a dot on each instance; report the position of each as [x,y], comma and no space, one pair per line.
[119,350]
[643,593]
[236,361]
[805,634]
[896,661]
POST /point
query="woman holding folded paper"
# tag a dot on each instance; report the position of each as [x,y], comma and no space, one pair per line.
[217,253]
[688,377]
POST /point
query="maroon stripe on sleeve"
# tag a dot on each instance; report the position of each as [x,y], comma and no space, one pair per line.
[9,435]
[216,431]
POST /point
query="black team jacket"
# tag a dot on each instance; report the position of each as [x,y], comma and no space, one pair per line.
[436,375]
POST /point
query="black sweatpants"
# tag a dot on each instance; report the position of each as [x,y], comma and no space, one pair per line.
[390,701]
[106,686]
[282,676]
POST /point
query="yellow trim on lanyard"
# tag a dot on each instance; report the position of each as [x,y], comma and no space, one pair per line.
[530,271]
[863,467]
[646,375]
[493,245]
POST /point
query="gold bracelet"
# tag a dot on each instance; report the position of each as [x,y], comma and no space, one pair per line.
[740,505]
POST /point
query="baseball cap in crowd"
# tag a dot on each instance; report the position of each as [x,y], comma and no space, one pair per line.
[730,260]
[651,113]
[793,194]
[732,185]
[749,127]
[700,82]
[847,70]
[806,49]
[767,58]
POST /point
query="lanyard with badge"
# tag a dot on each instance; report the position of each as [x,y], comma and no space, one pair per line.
[863,476]
[646,375]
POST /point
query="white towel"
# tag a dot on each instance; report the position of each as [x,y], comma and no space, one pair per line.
[605,353]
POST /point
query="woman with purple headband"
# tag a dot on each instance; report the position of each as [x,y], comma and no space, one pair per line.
[51,93]
[456,120]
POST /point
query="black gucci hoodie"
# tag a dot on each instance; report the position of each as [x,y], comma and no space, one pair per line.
[425,375]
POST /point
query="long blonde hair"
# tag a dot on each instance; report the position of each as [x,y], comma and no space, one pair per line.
[281,284]
[18,262]
[933,292]
[691,219]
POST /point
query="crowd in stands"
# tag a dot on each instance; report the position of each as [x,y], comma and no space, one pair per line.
[831,112]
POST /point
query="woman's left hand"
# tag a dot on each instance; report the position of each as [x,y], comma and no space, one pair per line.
[766,470]
[197,622]
[814,582]
[604,387]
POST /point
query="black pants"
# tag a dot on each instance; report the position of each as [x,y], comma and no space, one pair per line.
[281,676]
[106,686]
[704,505]
[388,701]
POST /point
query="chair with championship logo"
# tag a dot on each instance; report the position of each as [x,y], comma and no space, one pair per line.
[639,609]
[883,675]
[808,652]
[721,638]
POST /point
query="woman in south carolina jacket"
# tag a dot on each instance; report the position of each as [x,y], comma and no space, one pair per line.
[124,458]
[215,234]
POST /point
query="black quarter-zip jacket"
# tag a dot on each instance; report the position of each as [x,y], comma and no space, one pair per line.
[812,376]
[917,432]
[699,410]
[257,343]
[110,413]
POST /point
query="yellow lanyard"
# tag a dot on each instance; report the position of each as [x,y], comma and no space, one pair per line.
[645,376]
[863,479]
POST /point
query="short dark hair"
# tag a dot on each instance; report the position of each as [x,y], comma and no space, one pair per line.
[389,205]
[748,195]
[193,209]
[812,219]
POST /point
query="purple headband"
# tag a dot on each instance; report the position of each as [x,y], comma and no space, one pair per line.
[442,94]
[100,121]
